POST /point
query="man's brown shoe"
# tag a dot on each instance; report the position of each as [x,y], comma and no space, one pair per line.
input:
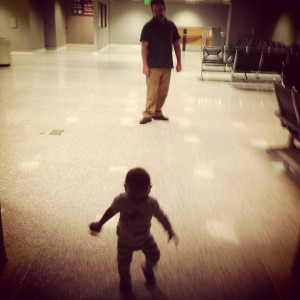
[145,120]
[161,118]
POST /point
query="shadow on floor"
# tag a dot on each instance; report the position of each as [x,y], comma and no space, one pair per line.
[295,270]
[290,157]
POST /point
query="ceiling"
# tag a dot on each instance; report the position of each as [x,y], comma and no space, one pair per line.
[201,1]
[226,2]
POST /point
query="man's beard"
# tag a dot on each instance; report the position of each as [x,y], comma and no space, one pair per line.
[159,17]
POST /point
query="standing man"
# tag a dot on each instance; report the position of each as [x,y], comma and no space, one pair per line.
[158,38]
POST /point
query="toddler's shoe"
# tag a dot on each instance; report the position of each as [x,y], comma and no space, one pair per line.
[149,275]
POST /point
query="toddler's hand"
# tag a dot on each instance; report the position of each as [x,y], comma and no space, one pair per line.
[175,239]
[95,227]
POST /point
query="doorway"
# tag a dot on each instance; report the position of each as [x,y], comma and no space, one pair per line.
[195,38]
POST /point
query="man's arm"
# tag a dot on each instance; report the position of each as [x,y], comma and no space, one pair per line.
[146,69]
[177,50]
[96,226]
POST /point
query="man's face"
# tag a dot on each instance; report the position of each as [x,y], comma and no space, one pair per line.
[158,11]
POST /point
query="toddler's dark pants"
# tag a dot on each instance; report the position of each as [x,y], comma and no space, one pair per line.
[125,253]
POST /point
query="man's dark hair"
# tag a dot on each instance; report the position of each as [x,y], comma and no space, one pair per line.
[137,178]
[158,2]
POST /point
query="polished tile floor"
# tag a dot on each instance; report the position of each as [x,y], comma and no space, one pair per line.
[69,131]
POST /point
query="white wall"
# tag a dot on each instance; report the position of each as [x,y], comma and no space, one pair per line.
[18,37]
[283,31]
[101,35]
[36,26]
[79,28]
[127,18]
[200,15]
[60,24]
[126,21]
[248,19]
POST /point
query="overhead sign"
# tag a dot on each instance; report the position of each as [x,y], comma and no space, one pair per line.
[83,8]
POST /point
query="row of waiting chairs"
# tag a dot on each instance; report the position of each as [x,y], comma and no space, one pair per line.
[287,91]
[289,109]
[244,63]
[291,70]
[253,64]
[257,43]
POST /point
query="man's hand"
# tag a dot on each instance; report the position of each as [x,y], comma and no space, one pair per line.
[146,71]
[175,239]
[95,227]
[178,67]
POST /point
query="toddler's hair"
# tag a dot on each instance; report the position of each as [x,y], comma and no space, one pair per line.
[137,178]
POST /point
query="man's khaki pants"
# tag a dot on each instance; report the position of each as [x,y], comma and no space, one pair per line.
[157,90]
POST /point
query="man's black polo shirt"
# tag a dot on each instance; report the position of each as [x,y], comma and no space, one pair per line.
[161,39]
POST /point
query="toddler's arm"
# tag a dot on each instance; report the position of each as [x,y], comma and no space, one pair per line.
[163,219]
[96,226]
[175,238]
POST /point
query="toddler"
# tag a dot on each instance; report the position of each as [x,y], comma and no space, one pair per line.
[136,209]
